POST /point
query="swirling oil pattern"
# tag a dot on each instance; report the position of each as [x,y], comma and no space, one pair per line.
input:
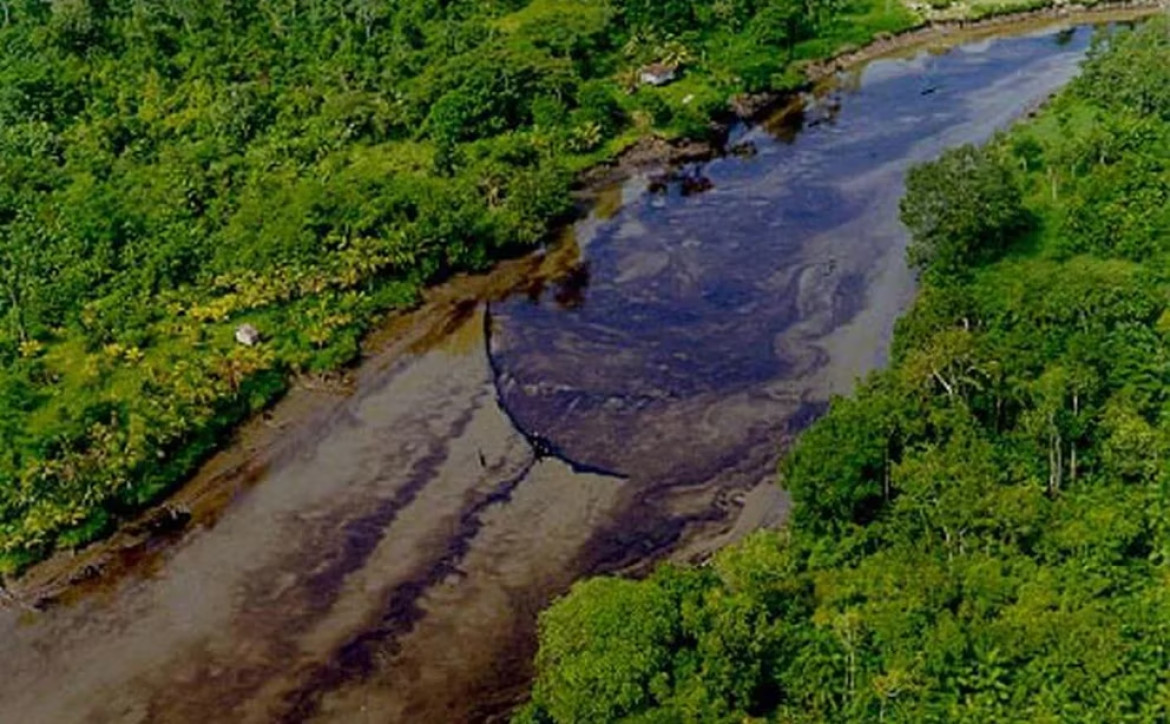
[378,552]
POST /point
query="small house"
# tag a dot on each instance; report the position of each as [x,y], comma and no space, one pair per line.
[657,74]
[247,335]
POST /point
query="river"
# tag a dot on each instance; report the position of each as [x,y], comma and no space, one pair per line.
[378,551]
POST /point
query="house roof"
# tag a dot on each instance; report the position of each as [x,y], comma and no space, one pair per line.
[659,69]
[247,334]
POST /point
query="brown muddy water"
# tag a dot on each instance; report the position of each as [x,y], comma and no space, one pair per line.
[380,554]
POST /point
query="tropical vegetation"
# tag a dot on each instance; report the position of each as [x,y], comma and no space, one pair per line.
[171,169]
[982,531]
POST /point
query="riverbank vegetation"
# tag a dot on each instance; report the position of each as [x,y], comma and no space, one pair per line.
[981,532]
[174,169]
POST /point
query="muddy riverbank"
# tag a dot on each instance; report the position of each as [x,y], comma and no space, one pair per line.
[652,153]
[377,550]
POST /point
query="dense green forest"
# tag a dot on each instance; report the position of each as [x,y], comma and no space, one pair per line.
[170,169]
[982,532]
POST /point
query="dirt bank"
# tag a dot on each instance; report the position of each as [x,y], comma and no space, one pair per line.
[654,152]
[266,437]
[378,545]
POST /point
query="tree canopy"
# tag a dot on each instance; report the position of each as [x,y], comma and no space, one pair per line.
[980,533]
[172,169]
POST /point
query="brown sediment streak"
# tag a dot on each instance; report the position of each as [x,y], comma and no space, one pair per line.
[141,546]
[382,565]
[354,660]
[362,534]
[69,577]
[305,415]
[319,592]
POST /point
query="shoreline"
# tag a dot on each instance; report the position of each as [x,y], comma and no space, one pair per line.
[140,543]
[654,152]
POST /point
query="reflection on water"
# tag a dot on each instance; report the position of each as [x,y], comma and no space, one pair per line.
[386,550]
[712,320]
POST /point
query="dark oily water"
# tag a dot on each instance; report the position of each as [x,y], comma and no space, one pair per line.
[696,318]
[703,327]
[386,559]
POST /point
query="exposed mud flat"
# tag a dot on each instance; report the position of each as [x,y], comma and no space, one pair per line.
[378,550]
